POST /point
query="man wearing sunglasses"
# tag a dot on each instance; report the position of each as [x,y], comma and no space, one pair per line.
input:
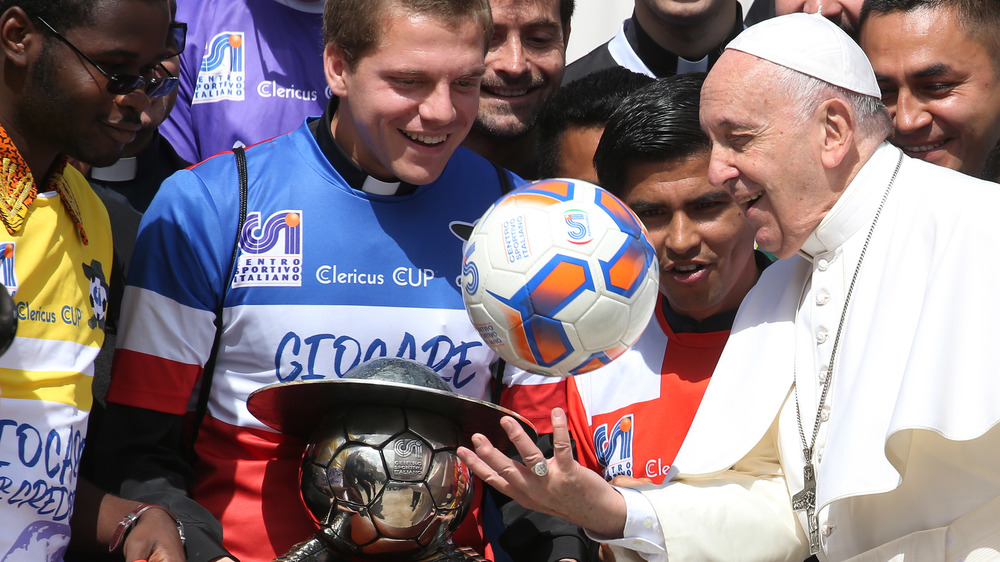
[74,78]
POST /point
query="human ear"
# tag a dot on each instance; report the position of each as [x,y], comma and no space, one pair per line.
[17,34]
[335,67]
[839,125]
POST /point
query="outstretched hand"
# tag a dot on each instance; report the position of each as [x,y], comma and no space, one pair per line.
[568,490]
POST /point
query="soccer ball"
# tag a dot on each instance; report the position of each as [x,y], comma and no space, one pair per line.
[385,480]
[559,278]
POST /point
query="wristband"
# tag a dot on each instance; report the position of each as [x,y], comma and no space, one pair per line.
[127,522]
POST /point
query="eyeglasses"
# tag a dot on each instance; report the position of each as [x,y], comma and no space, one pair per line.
[123,84]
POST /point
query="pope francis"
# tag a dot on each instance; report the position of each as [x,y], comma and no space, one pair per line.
[854,410]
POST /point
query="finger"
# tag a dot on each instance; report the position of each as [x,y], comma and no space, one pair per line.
[561,445]
[629,482]
[488,463]
[526,447]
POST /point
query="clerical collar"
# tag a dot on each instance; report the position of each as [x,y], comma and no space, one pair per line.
[18,189]
[720,322]
[348,169]
[122,170]
[665,63]
[856,205]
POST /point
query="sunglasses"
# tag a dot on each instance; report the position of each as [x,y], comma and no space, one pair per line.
[123,84]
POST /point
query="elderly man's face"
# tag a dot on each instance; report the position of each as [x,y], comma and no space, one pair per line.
[940,85]
[763,153]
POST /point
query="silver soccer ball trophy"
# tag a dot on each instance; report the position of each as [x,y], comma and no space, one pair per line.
[379,473]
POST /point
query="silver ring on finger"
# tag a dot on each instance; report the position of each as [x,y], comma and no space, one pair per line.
[540,468]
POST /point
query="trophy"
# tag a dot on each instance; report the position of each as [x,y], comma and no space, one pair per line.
[379,474]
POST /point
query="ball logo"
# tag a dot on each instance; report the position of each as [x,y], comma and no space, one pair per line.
[221,75]
[270,252]
[469,271]
[515,237]
[579,226]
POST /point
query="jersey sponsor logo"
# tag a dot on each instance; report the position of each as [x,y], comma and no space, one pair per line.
[7,271]
[270,252]
[402,276]
[614,449]
[97,293]
[222,75]
[271,89]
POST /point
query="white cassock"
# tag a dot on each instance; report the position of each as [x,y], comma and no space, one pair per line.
[908,453]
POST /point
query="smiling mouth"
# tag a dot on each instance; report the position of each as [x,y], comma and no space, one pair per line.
[923,148]
[429,140]
[506,92]
[687,268]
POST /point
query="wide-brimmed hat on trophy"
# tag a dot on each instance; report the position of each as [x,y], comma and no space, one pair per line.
[379,474]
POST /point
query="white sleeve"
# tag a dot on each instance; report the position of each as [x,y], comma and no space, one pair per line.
[742,513]
[643,536]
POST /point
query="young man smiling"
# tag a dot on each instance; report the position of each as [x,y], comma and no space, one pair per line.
[938,65]
[347,253]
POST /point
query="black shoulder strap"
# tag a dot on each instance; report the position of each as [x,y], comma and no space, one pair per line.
[209,372]
[501,365]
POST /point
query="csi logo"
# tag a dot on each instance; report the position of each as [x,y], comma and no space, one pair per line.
[579,226]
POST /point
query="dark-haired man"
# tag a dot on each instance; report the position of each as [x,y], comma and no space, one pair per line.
[347,253]
[938,65]
[74,77]
[571,126]
[629,418]
[524,68]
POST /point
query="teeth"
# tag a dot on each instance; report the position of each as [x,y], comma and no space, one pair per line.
[749,198]
[426,139]
[685,268]
[923,148]
[507,93]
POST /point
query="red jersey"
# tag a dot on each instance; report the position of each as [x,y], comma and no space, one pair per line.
[631,416]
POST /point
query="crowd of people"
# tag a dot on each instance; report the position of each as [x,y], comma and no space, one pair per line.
[236,194]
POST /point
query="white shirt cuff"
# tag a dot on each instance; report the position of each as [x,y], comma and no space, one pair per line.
[642,532]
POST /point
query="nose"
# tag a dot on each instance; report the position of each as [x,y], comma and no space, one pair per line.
[508,57]
[720,169]
[909,114]
[136,100]
[438,106]
[683,238]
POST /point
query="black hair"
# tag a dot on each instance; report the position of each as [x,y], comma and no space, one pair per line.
[585,103]
[979,18]
[566,8]
[61,14]
[656,123]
